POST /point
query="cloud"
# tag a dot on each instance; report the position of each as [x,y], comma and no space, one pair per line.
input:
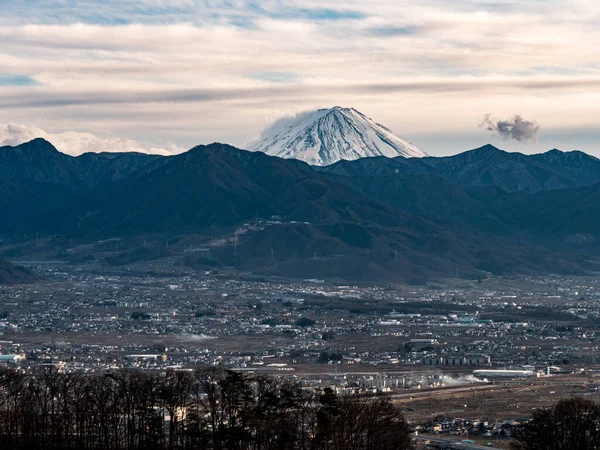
[392,31]
[278,89]
[15,134]
[276,77]
[200,71]
[317,14]
[516,128]
[117,12]
[276,126]
[76,143]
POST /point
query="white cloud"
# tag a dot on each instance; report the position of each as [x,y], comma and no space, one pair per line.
[76,143]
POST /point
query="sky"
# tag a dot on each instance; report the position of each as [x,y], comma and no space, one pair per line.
[162,76]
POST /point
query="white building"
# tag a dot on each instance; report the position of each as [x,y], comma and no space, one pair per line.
[11,359]
[504,373]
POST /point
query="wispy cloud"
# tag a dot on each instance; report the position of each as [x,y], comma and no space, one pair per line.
[304,13]
[276,77]
[392,31]
[280,89]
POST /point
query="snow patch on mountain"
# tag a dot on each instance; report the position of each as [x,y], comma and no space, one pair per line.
[326,136]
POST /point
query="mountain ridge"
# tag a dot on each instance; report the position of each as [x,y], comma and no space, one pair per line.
[486,166]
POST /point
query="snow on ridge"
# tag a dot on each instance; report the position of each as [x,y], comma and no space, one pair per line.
[325,136]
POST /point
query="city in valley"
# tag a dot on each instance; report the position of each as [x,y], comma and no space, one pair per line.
[460,358]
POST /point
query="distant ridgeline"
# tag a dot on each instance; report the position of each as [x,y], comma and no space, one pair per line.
[373,219]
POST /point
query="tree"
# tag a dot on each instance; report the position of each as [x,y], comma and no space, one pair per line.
[408,347]
[305,322]
[140,316]
[325,357]
[206,409]
[327,336]
[572,424]
[358,422]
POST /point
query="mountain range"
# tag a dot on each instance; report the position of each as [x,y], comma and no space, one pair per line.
[396,219]
[486,166]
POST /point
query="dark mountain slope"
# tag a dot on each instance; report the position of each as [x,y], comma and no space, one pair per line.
[39,161]
[40,188]
[574,165]
[214,188]
[560,218]
[9,274]
[29,206]
[103,168]
[438,200]
[487,166]
[553,216]
[219,185]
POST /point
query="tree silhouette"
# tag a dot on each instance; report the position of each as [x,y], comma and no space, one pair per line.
[572,424]
[204,409]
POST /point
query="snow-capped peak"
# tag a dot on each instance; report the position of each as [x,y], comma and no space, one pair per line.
[326,136]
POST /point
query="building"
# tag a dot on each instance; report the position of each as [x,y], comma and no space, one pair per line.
[504,373]
[11,359]
[467,360]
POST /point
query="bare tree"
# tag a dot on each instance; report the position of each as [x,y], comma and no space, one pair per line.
[208,409]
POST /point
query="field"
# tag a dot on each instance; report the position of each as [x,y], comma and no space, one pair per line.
[502,400]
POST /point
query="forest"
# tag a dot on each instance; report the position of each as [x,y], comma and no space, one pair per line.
[208,409]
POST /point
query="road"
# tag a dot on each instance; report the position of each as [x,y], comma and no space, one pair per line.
[457,444]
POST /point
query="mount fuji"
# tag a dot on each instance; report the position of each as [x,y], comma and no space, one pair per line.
[326,136]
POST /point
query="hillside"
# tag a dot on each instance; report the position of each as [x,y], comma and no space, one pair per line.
[10,274]
[556,218]
[102,168]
